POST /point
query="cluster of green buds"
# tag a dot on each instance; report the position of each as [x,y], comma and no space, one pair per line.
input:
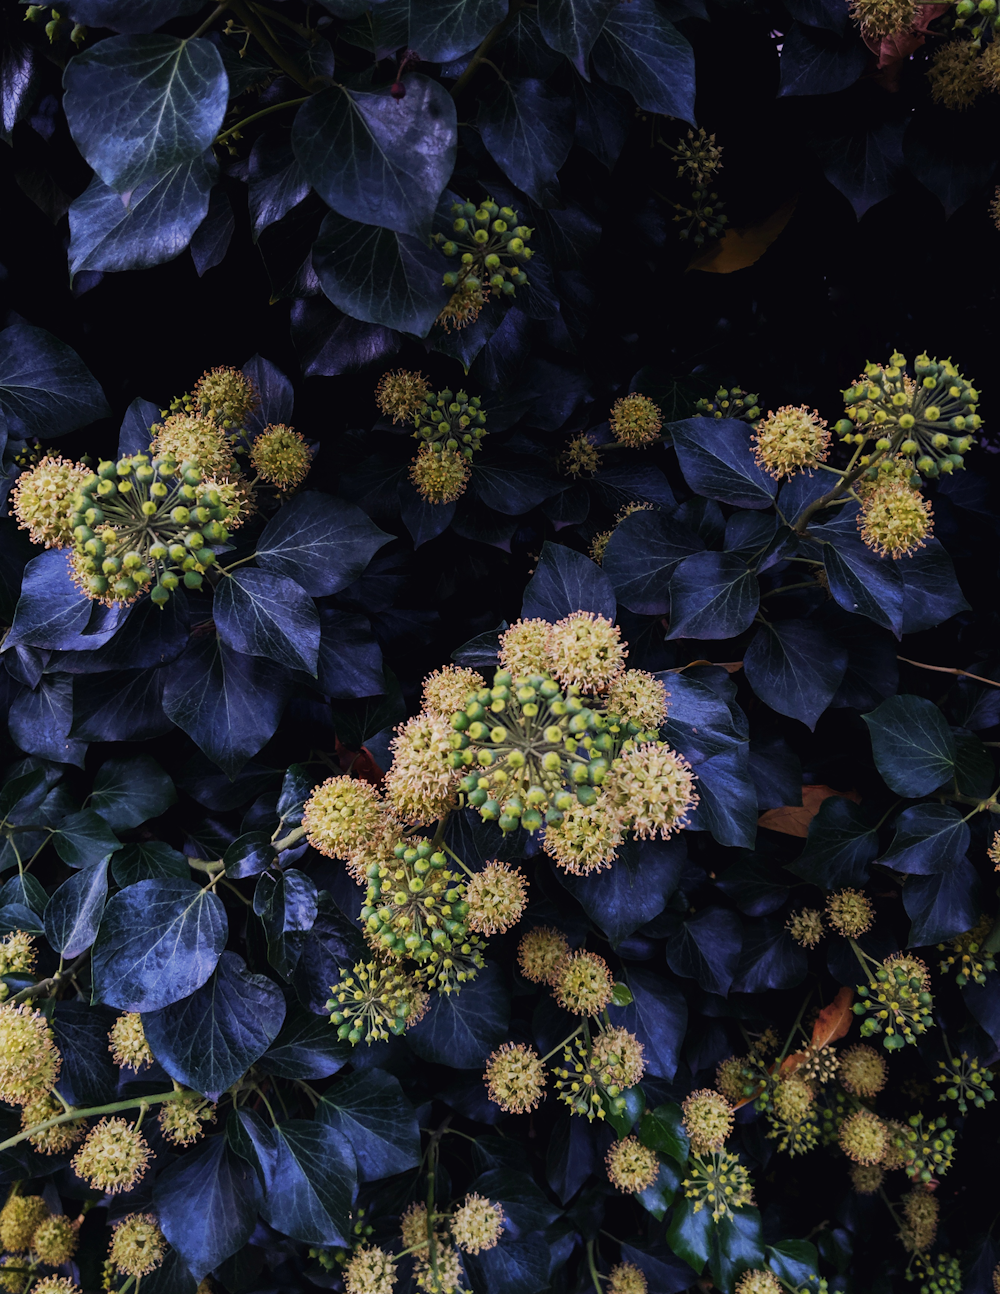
[374,1000]
[930,418]
[143,524]
[451,421]
[538,750]
[927,1152]
[595,1072]
[967,954]
[731,403]
[415,904]
[967,1082]
[977,16]
[897,1004]
[698,158]
[491,246]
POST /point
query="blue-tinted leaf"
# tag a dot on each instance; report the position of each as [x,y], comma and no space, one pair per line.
[865,164]
[462,1029]
[572,26]
[755,885]
[840,845]
[929,838]
[210,1039]
[712,595]
[158,942]
[24,889]
[307,1047]
[795,1261]
[379,276]
[227,703]
[129,15]
[795,668]
[320,542]
[124,705]
[514,1266]
[930,590]
[943,905]
[641,556]
[815,61]
[15,916]
[84,838]
[88,1075]
[74,911]
[528,129]
[513,489]
[526,1207]
[664,1272]
[128,792]
[769,959]
[275,181]
[151,224]
[631,892]
[332,942]
[860,581]
[566,581]
[727,804]
[288,907]
[134,435]
[658,1197]
[715,458]
[370,1111]
[913,747]
[261,614]
[249,855]
[658,1017]
[51,612]
[954,168]
[350,660]
[45,388]
[206,1204]
[138,106]
[445,29]
[379,160]
[149,860]
[639,50]
[40,721]
[706,947]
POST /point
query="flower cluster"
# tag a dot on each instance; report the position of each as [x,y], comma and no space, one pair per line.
[927,1151]
[884,17]
[17,953]
[635,421]
[29,1059]
[581,457]
[733,402]
[896,1003]
[791,440]
[490,244]
[540,952]
[281,456]
[698,159]
[138,1246]
[375,1000]
[968,1082]
[850,913]
[400,394]
[594,1073]
[515,1078]
[718,1182]
[113,1157]
[894,519]
[42,500]
[806,927]
[708,1120]
[631,1166]
[966,954]
[127,1041]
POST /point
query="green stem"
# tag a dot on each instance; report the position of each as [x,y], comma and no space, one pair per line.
[224,570]
[54,981]
[292,838]
[864,959]
[592,1267]
[135,1103]
[269,46]
[565,1042]
[791,1032]
[850,475]
[217,12]
[483,50]
[458,860]
[787,588]
[438,840]
[254,116]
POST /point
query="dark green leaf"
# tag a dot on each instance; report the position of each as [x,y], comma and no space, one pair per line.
[913,747]
[860,581]
[445,29]
[287,906]
[942,905]
[149,860]
[84,838]
[321,543]
[715,458]
[129,15]
[735,1243]
[635,890]
[814,61]
[931,593]
[712,595]
[40,721]
[261,614]
[249,855]
[656,1199]
[307,1047]
[514,1266]
[706,947]
[88,1075]
[369,1109]
[528,129]
[794,1261]
[45,388]
[642,52]
[689,1234]
[795,668]
[128,792]
[74,911]
[625,1120]
[662,1129]
[658,1017]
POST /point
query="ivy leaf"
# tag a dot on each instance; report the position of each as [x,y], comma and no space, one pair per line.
[631,893]
[128,792]
[840,846]
[227,703]
[931,593]
[288,907]
[814,61]
[445,29]
[860,581]
[514,1266]
[735,1243]
[639,50]
[350,660]
[379,160]
[659,1196]
[712,595]
[121,706]
[942,905]
[151,224]
[88,1075]
[566,581]
[643,552]
[45,388]
[706,948]
[664,1271]
[74,911]
[138,106]
[206,1204]
[929,838]
[795,668]
[149,860]
[461,1029]
[662,1130]
[794,1261]
[209,1040]
[572,26]
[322,543]
[689,1234]
[40,721]
[84,838]
[307,1047]
[658,1016]
[159,941]
[769,959]
[369,1110]
[261,614]
[249,855]
[715,457]
[913,747]
[528,129]
[866,163]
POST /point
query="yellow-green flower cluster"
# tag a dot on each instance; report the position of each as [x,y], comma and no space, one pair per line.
[17,953]
[792,1115]
[375,1000]
[55,1140]
[867,1178]
[625,1278]
[955,75]
[894,519]
[941,1274]
[927,1151]
[862,1071]
[225,395]
[849,912]
[188,439]
[718,1182]
[55,1240]
[496,897]
[793,439]
[592,1077]
[370,1271]
[180,1120]
[453,421]
[897,1004]
[731,402]
[806,927]
[490,244]
[968,1082]
[708,1120]
[638,697]
[281,456]
[477,1224]
[540,952]
[966,953]
[29,1059]
[635,421]
[652,789]
[583,983]
[113,1157]
[56,1285]
[400,393]
[345,818]
[920,1209]
[20,1218]
[581,457]
[759,1281]
[698,159]
[138,1246]
[415,904]
[42,500]
[420,786]
[440,475]
[447,690]
[515,1078]
[884,17]
[631,1165]
[128,1045]
[863,1137]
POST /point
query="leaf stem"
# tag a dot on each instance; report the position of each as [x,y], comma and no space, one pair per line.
[947,669]
[564,1042]
[292,838]
[849,476]
[275,107]
[798,1021]
[484,48]
[54,981]
[217,12]
[594,1276]
[270,47]
[135,1103]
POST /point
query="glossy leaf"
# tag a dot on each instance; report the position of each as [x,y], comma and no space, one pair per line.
[74,911]
[462,1029]
[566,581]
[633,891]
[712,595]
[929,838]
[840,846]
[528,129]
[639,50]
[715,458]
[445,29]
[370,1111]
[913,748]
[572,26]
[321,543]
[128,792]
[795,668]
[261,614]
[942,905]
[706,947]
[84,838]
[658,1016]
[45,388]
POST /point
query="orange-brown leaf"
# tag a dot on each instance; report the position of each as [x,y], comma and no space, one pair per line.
[794,819]
[834,1020]
[739,248]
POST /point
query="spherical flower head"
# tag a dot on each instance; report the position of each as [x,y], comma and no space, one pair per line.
[652,789]
[17,953]
[225,395]
[29,1060]
[55,1240]
[759,1281]
[639,696]
[719,1182]
[730,1079]
[58,1139]
[515,1078]
[920,1209]
[420,785]
[863,1137]
[624,1278]
[928,1150]
[966,953]
[635,420]
[540,952]
[955,76]
[996,1278]
[128,1045]
[138,1246]
[496,896]
[524,648]
[806,927]
[477,1224]
[583,983]
[20,1218]
[884,17]
[449,689]
[440,475]
[863,1072]
[631,1165]
[370,1271]
[587,838]
[56,1285]
[194,440]
[850,912]
[462,308]
[895,1151]
[113,1158]
[343,817]
[867,1178]
[895,519]
[236,494]
[586,651]
[910,967]
[617,1058]
[42,500]
[792,1099]
[374,1000]
[413,1226]
[400,393]
[581,457]
[15,1281]
[181,1120]
[281,456]
[794,439]
[708,1120]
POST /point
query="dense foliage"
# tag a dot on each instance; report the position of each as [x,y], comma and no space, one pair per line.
[497,788]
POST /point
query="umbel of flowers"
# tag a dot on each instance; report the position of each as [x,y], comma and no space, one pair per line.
[490,248]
